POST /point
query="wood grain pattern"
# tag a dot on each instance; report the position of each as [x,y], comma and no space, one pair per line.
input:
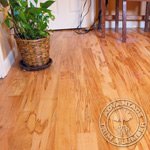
[59,108]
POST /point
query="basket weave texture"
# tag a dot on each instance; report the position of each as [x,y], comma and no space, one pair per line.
[34,52]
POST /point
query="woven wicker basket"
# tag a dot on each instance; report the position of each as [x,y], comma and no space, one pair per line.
[34,53]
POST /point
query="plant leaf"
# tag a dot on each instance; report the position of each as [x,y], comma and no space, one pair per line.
[31,4]
[47,4]
[7,22]
[36,1]
[29,22]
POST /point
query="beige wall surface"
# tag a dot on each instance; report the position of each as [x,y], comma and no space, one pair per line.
[133,8]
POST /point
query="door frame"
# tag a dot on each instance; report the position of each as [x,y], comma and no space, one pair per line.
[6,64]
[2,70]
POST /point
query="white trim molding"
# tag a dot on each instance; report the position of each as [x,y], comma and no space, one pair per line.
[130,24]
[1,63]
[5,64]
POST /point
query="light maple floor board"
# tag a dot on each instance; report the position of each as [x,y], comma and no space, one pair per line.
[59,108]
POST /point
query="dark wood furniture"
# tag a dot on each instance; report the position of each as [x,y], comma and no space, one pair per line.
[124,4]
[102,7]
[124,15]
[147,15]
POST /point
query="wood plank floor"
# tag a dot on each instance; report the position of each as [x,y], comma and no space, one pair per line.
[59,108]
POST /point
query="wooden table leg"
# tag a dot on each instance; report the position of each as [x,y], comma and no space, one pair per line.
[147,16]
[99,15]
[103,17]
[117,15]
[124,14]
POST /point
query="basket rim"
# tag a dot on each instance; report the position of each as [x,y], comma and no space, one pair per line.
[36,40]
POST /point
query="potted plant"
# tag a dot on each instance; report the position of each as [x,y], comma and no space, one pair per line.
[30,21]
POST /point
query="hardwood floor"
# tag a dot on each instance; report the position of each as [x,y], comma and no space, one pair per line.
[59,108]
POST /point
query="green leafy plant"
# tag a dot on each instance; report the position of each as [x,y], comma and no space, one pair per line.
[29,20]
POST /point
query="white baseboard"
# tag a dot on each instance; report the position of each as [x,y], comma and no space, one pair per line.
[6,64]
[130,24]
